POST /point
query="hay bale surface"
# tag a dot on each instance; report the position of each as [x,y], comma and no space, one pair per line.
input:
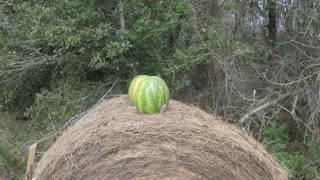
[114,141]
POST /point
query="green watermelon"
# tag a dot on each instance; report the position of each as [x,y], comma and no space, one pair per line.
[134,87]
[150,94]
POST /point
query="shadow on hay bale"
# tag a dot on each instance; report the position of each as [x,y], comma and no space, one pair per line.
[114,141]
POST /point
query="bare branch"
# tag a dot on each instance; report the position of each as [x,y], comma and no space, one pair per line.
[256,110]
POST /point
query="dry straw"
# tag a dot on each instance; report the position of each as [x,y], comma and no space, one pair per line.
[114,141]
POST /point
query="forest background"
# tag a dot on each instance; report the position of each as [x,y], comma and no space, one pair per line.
[256,63]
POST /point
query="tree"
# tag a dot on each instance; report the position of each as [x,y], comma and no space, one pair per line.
[272,30]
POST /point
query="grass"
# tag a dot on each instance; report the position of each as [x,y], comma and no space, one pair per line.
[13,146]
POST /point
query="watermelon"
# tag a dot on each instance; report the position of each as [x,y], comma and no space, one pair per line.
[150,94]
[134,87]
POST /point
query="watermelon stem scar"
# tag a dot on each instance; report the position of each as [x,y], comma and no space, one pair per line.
[163,109]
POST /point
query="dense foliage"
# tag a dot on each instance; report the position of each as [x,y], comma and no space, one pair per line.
[256,63]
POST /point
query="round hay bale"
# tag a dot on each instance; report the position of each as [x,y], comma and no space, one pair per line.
[114,141]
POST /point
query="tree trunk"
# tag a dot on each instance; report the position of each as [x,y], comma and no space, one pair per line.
[239,15]
[272,29]
[122,22]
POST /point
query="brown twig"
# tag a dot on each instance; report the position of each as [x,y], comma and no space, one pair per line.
[257,109]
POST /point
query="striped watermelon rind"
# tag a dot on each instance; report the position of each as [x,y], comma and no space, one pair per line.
[149,94]
[134,87]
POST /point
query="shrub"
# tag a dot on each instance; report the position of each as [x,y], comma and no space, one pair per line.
[289,153]
[68,98]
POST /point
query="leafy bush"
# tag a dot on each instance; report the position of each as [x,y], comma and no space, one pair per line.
[50,41]
[11,165]
[297,164]
[276,137]
[68,98]
[289,153]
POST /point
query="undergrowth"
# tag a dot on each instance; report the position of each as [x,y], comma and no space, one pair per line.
[298,157]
